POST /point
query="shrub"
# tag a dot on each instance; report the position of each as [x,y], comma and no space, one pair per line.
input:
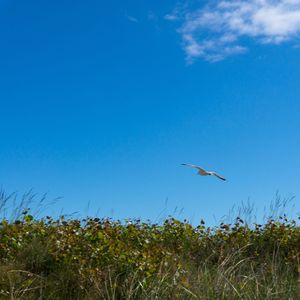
[106,259]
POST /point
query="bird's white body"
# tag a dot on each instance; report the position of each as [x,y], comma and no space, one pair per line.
[203,172]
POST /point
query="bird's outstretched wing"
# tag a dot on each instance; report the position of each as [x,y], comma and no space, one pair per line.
[201,171]
[219,176]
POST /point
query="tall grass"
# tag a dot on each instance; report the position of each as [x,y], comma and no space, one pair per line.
[92,258]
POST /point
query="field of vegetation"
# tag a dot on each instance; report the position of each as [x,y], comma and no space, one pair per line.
[92,258]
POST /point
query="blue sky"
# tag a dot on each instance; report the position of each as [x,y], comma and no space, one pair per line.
[102,101]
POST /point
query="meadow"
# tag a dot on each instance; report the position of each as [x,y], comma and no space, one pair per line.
[102,258]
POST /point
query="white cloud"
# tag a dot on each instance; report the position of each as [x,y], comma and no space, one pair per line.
[214,32]
[171,17]
[131,18]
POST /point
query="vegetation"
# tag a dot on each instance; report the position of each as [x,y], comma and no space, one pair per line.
[104,259]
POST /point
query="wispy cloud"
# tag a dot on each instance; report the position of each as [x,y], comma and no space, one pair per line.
[214,32]
[171,17]
[131,18]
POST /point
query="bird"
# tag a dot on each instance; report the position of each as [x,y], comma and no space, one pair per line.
[203,172]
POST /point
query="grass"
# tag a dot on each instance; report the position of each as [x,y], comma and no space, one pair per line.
[96,258]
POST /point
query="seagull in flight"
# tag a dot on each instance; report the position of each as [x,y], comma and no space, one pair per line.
[203,172]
